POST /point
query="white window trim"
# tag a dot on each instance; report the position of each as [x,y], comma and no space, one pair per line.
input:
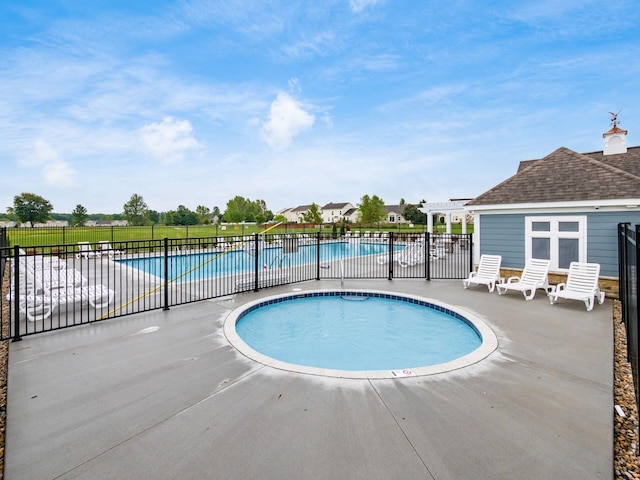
[554,234]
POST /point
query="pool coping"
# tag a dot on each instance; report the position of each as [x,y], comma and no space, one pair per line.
[487,347]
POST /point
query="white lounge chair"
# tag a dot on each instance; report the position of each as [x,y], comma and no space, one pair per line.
[84,250]
[47,279]
[398,255]
[412,255]
[105,247]
[98,296]
[41,261]
[488,273]
[581,284]
[534,276]
[33,306]
[40,306]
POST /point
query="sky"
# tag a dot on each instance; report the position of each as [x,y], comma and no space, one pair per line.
[194,102]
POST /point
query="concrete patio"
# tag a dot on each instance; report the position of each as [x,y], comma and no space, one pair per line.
[163,395]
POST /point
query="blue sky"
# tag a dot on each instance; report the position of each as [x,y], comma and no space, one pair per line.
[295,102]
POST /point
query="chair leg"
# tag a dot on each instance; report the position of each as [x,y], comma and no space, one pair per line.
[589,303]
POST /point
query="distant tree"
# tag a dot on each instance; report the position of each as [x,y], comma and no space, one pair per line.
[79,216]
[236,210]
[413,215]
[204,214]
[263,214]
[154,217]
[136,211]
[240,209]
[280,219]
[181,216]
[372,209]
[30,208]
[312,215]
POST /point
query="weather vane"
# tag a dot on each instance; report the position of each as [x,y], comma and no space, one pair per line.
[614,119]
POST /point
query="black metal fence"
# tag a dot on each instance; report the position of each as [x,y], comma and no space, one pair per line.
[3,260]
[54,287]
[629,274]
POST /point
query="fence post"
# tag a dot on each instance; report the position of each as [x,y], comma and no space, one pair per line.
[318,255]
[471,249]
[166,273]
[391,235]
[427,254]
[256,261]
[622,273]
[16,293]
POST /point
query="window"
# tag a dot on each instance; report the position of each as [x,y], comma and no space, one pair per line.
[560,239]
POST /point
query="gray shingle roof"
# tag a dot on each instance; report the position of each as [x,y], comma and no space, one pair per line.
[335,206]
[301,208]
[565,175]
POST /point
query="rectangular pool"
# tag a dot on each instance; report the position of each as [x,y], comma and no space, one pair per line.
[196,266]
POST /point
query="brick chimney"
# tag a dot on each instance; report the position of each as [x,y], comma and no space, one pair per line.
[615,140]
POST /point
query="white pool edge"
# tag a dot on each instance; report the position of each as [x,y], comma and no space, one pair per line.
[489,341]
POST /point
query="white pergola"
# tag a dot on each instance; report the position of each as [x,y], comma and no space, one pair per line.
[447,209]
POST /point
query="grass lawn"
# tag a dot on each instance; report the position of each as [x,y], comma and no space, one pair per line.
[28,237]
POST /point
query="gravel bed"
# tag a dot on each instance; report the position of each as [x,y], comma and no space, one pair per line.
[625,441]
[626,460]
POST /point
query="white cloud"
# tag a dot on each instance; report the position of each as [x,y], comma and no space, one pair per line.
[320,44]
[56,172]
[287,119]
[359,5]
[168,140]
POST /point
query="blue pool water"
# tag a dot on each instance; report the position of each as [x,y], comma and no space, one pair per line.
[206,265]
[356,333]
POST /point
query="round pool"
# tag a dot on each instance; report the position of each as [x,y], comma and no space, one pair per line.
[358,334]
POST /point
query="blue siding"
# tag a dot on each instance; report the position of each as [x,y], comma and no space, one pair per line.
[602,238]
[504,235]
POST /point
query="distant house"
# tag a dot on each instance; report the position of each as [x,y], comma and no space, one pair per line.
[563,207]
[106,223]
[51,223]
[297,214]
[288,214]
[395,214]
[335,212]
[352,215]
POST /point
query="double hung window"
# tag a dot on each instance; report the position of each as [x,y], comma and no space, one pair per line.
[561,239]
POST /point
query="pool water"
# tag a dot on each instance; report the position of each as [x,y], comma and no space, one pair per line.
[357,333]
[213,264]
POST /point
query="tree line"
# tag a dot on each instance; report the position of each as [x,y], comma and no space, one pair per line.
[29,208]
